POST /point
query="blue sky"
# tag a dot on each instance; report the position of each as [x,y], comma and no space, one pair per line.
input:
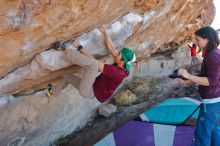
[216,22]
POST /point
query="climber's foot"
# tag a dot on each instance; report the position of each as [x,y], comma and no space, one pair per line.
[59,46]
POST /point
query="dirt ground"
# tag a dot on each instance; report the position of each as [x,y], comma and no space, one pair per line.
[149,92]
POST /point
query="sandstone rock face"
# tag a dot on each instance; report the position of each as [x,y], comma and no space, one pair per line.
[38,120]
[165,63]
[28,28]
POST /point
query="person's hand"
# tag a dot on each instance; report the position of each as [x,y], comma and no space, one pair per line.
[189,46]
[103,29]
[76,43]
[184,73]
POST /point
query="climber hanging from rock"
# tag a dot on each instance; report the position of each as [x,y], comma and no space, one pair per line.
[112,75]
[194,59]
[193,53]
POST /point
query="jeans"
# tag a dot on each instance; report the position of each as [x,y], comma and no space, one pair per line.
[207,131]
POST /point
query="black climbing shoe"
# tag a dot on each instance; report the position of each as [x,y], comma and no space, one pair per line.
[49,90]
[175,75]
[58,46]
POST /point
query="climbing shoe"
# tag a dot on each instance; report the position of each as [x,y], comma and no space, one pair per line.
[59,46]
[49,90]
[175,75]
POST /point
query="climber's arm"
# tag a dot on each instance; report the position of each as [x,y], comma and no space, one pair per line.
[189,46]
[76,44]
[112,50]
[101,66]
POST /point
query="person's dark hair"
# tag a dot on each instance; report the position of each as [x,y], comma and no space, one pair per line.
[211,35]
[193,45]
